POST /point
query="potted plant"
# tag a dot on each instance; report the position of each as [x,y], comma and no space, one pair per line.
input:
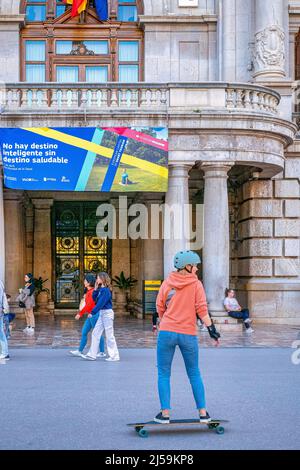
[42,293]
[123,284]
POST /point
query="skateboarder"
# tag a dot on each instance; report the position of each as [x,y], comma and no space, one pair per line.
[180,301]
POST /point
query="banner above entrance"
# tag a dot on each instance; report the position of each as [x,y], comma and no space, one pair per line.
[117,159]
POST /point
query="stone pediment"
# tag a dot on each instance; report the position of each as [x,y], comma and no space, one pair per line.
[90,18]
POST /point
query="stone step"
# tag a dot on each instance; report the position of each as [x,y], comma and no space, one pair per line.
[65,311]
[227,323]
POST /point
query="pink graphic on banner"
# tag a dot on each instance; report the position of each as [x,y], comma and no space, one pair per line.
[140,137]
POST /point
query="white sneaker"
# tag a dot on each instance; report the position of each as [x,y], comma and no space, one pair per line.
[249,331]
[101,354]
[113,359]
[249,320]
[26,329]
[30,331]
[88,357]
[75,353]
[2,356]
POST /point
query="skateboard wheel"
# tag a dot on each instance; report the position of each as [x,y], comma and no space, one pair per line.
[143,433]
[138,428]
[220,430]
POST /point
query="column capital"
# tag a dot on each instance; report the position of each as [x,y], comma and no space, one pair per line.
[42,204]
[13,195]
[179,170]
[216,169]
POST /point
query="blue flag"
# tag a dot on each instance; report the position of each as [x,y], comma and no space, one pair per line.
[102,9]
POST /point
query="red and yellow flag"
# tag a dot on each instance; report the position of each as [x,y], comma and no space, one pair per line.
[78,6]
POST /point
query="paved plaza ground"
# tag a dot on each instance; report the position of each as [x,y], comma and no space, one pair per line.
[64,332]
[60,402]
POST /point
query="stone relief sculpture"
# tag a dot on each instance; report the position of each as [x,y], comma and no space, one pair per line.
[269,49]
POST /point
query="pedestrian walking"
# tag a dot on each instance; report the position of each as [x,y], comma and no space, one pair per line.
[105,321]
[8,319]
[181,299]
[90,322]
[4,308]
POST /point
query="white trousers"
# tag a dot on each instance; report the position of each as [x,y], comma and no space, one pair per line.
[105,322]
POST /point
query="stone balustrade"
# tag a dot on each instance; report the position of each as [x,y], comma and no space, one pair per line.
[198,97]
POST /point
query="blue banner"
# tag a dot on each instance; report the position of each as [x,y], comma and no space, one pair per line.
[85,159]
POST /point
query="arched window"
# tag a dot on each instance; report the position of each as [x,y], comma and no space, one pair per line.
[56,47]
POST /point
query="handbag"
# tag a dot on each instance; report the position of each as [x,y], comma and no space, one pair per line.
[21,304]
[82,304]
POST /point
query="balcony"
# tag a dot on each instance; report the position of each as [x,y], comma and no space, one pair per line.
[52,98]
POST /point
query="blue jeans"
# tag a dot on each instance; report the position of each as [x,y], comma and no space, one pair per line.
[89,325]
[188,345]
[6,325]
[242,315]
[3,340]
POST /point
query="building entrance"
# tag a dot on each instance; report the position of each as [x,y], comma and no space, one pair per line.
[77,250]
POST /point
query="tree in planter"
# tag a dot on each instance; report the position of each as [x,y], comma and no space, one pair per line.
[124,284]
[41,291]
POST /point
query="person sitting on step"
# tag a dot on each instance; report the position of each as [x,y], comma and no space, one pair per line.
[234,310]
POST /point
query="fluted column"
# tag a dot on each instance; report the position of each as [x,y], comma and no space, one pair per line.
[216,235]
[269,50]
[176,215]
[2,237]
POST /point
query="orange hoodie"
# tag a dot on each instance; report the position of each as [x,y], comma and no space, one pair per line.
[180,299]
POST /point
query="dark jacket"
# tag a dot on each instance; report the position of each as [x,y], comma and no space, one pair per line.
[103,299]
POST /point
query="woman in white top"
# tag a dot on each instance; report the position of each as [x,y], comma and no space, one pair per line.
[234,309]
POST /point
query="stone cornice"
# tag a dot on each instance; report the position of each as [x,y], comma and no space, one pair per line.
[187,19]
[8,19]
[294,9]
[214,121]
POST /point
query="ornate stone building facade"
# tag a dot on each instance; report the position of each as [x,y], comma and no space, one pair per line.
[222,76]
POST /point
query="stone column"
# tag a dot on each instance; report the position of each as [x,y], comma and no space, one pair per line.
[269,50]
[228,40]
[120,254]
[2,238]
[42,247]
[146,253]
[15,242]
[153,265]
[176,218]
[216,235]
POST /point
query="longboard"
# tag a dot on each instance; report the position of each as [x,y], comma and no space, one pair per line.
[214,424]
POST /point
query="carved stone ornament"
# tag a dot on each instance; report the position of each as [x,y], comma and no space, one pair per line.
[269,48]
[79,48]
